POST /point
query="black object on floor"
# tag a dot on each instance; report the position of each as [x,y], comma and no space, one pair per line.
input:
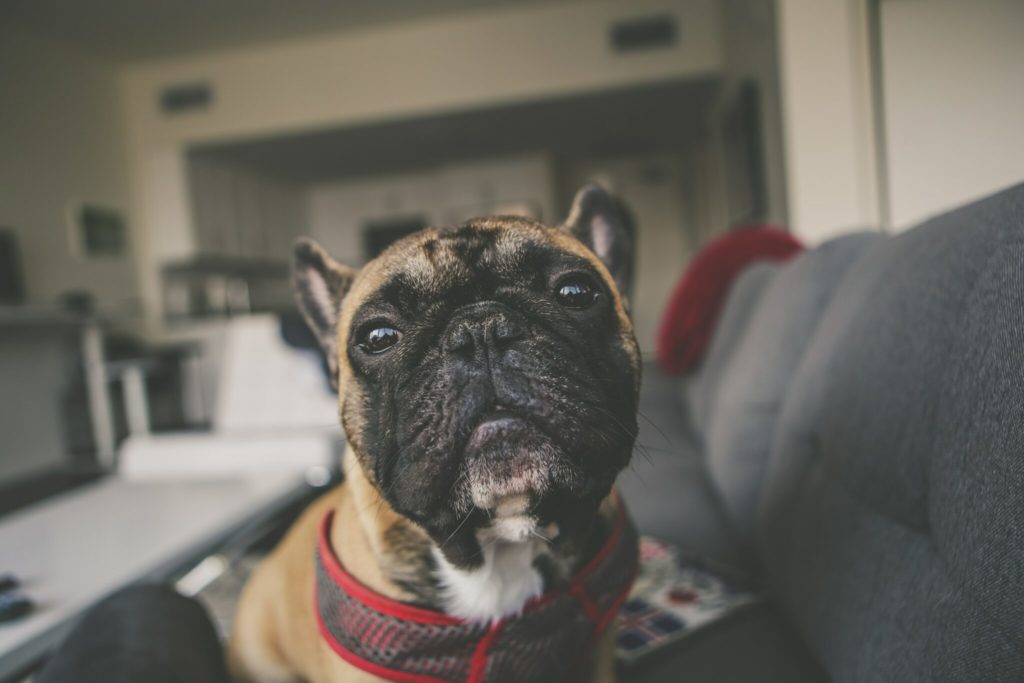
[141,633]
[8,582]
[14,606]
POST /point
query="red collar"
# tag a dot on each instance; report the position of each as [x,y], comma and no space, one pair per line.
[401,642]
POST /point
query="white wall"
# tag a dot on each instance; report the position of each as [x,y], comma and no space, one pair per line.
[953,75]
[61,141]
[457,62]
[454,62]
[828,117]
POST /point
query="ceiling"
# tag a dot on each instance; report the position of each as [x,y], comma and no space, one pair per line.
[650,118]
[139,30]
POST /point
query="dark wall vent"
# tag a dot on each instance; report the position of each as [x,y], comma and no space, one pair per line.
[185,97]
[644,33]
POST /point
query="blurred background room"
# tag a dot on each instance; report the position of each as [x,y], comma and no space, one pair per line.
[158,159]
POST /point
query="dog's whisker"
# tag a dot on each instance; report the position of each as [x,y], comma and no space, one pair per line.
[541,536]
[461,524]
[654,424]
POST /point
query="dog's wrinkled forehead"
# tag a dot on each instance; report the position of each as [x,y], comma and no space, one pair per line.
[441,256]
[428,265]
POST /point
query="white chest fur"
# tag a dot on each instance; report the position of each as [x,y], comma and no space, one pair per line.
[500,587]
[507,579]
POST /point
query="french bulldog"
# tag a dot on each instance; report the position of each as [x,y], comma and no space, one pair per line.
[488,379]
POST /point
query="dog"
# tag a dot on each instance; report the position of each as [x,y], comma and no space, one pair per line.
[488,381]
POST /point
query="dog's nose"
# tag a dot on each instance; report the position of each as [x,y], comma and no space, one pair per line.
[486,327]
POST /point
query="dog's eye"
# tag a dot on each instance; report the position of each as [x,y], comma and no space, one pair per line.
[576,292]
[379,339]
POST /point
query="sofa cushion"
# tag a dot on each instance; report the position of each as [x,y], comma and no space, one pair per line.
[892,523]
[669,495]
[751,388]
[701,387]
[666,486]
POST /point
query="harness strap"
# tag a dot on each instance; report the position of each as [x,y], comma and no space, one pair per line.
[397,641]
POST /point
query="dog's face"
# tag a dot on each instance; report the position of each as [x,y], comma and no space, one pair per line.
[488,372]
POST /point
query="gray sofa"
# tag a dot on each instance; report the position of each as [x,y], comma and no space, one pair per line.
[855,440]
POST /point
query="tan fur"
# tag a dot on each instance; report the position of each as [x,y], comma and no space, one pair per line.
[275,637]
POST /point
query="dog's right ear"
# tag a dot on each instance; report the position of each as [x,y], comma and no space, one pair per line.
[605,225]
[320,284]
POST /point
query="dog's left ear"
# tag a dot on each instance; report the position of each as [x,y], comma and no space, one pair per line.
[320,284]
[605,225]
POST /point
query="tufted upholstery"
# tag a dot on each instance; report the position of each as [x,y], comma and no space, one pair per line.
[892,521]
[700,391]
[863,424]
[753,384]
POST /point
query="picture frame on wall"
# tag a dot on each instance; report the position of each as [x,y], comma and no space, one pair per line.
[97,231]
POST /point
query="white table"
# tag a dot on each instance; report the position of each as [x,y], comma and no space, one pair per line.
[71,551]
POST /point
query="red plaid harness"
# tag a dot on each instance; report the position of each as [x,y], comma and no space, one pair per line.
[549,641]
